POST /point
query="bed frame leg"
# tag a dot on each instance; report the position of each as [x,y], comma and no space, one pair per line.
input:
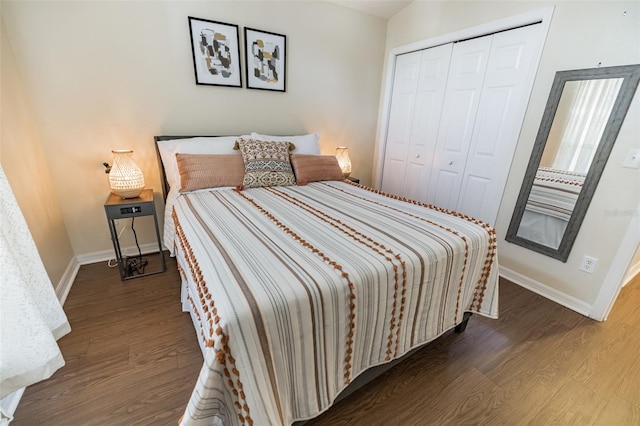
[463,325]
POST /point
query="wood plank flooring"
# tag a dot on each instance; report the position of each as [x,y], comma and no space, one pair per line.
[132,359]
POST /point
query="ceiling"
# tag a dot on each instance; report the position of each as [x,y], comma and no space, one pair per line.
[381,8]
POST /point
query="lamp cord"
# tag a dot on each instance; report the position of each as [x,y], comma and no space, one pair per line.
[131,265]
[135,237]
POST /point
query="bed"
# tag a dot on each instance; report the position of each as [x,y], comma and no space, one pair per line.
[295,290]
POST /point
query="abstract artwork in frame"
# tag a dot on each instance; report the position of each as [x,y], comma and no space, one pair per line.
[266,60]
[216,52]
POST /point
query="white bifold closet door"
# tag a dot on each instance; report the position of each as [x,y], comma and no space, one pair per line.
[455,117]
[416,107]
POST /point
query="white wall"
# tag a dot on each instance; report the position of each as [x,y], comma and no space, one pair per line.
[25,164]
[582,35]
[104,75]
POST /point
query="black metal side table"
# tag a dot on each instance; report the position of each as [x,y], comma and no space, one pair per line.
[118,208]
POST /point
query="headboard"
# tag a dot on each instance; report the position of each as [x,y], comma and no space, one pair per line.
[163,177]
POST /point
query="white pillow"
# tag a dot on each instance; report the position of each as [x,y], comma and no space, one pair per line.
[305,144]
[199,145]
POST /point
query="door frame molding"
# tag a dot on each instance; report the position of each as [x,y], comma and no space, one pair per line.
[540,15]
[614,279]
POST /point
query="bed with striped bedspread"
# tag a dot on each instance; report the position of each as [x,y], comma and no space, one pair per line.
[555,192]
[297,290]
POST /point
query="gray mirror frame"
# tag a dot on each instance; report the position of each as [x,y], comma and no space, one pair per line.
[631,76]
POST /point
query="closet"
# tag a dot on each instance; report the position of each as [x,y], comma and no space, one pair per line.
[454,120]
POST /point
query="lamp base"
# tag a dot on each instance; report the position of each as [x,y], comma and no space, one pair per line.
[127,193]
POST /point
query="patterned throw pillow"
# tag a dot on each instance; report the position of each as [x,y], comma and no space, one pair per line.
[266,163]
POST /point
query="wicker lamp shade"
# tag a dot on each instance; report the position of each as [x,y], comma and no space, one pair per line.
[125,178]
[342,154]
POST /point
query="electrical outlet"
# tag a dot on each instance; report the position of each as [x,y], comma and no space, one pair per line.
[589,264]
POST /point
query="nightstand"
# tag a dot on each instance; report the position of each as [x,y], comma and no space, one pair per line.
[353,179]
[118,208]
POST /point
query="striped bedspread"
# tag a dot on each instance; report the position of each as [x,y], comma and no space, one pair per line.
[297,290]
[555,192]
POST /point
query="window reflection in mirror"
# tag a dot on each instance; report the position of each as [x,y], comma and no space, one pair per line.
[583,112]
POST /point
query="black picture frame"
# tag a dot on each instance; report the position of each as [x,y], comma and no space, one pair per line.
[265,60]
[215,48]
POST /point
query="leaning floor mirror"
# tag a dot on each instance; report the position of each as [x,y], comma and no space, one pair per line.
[580,124]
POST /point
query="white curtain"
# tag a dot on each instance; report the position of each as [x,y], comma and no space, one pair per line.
[588,117]
[31,318]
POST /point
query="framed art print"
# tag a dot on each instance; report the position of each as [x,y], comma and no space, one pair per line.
[266,59]
[216,52]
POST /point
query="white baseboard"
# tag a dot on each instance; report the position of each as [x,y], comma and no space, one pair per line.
[544,290]
[631,273]
[105,255]
[65,283]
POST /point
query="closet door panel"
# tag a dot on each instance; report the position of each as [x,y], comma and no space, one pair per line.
[413,187]
[405,84]
[400,125]
[434,70]
[458,126]
[464,85]
[427,106]
[475,194]
[416,106]
[447,184]
[394,172]
[500,112]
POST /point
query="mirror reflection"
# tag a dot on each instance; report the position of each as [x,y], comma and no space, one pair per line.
[583,111]
[581,121]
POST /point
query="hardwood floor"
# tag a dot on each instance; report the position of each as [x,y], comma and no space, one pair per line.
[132,358]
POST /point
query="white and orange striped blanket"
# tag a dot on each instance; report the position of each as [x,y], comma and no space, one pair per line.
[297,290]
[555,192]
